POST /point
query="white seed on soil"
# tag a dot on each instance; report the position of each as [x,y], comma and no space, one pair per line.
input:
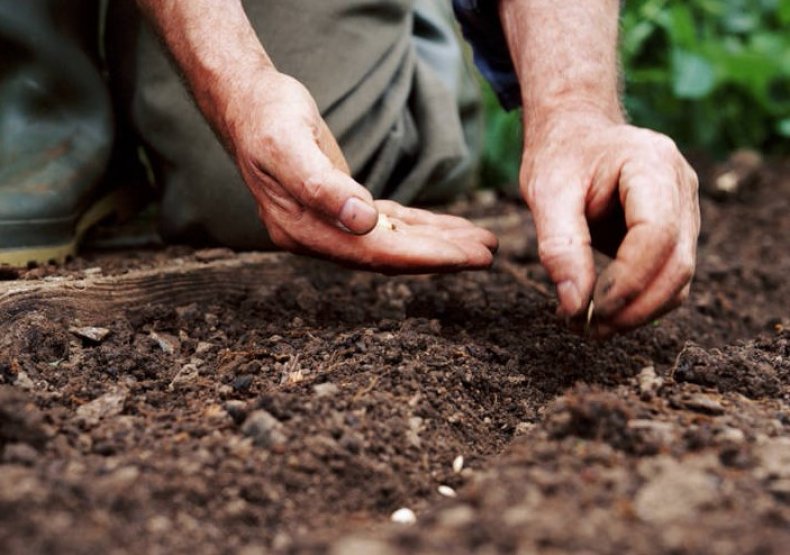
[91,333]
[649,382]
[106,406]
[458,464]
[404,516]
[167,343]
[23,381]
[446,491]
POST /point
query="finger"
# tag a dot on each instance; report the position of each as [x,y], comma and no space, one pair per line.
[671,281]
[310,175]
[472,235]
[391,251]
[475,242]
[604,330]
[651,203]
[418,217]
[564,242]
[413,249]
[329,146]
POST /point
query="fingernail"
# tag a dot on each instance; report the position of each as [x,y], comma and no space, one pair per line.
[357,216]
[602,331]
[570,298]
[606,303]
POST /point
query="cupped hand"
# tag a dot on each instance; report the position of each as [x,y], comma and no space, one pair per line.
[595,183]
[310,205]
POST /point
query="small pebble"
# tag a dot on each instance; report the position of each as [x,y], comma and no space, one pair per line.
[237,410]
[91,333]
[404,516]
[327,389]
[108,405]
[211,319]
[446,491]
[168,343]
[731,435]
[243,382]
[264,429]
[211,255]
[458,464]
[703,403]
[649,382]
[23,381]
[188,374]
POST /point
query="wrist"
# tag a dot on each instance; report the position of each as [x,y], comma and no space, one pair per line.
[230,94]
[216,49]
[568,116]
[573,105]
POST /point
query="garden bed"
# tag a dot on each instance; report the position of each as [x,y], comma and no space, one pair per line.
[169,401]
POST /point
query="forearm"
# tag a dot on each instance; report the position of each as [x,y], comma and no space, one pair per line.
[215,47]
[565,55]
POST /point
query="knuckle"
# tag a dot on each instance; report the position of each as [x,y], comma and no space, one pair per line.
[315,189]
[693,181]
[663,146]
[685,269]
[268,140]
[666,233]
[529,189]
[280,237]
[552,250]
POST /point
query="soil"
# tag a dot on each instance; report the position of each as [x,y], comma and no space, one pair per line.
[297,418]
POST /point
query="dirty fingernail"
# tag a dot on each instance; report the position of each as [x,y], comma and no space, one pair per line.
[602,331]
[570,298]
[357,216]
[606,303]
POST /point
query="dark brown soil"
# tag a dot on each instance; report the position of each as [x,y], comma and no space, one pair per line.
[297,419]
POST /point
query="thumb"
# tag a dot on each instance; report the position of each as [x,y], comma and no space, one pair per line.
[564,244]
[316,173]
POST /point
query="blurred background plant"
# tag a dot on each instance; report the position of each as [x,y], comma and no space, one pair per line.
[712,74]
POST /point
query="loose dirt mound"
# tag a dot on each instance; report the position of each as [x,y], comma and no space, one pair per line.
[295,417]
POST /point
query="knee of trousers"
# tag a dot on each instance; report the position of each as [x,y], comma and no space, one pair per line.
[203,197]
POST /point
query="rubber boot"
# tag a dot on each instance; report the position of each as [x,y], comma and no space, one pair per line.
[55,129]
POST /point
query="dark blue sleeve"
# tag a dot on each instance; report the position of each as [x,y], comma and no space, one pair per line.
[481,26]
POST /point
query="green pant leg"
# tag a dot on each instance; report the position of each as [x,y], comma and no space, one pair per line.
[439,47]
[55,126]
[395,118]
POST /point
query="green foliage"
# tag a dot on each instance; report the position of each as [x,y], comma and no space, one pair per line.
[713,74]
[502,145]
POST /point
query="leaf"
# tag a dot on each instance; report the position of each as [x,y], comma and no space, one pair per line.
[693,77]
[783,127]
[681,27]
[635,37]
[784,12]
[741,22]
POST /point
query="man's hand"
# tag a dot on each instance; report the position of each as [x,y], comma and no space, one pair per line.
[589,178]
[637,194]
[309,203]
[289,159]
